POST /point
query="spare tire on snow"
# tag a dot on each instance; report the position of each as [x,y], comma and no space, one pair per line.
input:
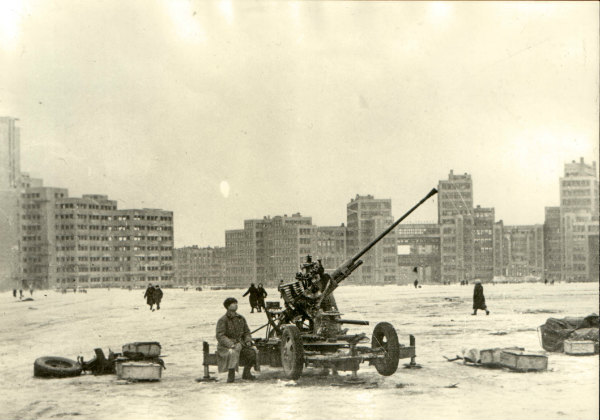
[55,367]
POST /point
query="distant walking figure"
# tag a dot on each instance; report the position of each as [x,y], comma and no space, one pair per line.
[479,299]
[416,283]
[253,298]
[261,295]
[158,294]
[149,295]
[20,293]
[15,293]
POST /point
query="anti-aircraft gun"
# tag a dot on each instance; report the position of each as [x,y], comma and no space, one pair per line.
[308,331]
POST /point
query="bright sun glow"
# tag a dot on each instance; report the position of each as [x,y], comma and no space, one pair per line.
[185,21]
[439,11]
[226,8]
[224,188]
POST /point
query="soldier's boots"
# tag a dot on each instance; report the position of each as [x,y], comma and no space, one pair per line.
[247,375]
[231,376]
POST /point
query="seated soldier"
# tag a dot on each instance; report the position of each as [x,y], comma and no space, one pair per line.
[234,343]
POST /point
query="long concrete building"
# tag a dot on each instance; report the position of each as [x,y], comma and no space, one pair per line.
[88,242]
[195,266]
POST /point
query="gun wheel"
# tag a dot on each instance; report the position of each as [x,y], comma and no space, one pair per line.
[385,337]
[292,352]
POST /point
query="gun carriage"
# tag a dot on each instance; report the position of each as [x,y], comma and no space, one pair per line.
[307,330]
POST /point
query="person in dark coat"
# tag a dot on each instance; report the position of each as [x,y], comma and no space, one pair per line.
[149,295]
[234,346]
[261,295]
[253,298]
[479,299]
[15,293]
[158,294]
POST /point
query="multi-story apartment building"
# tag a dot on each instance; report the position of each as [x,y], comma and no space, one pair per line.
[199,266]
[455,216]
[269,249]
[525,250]
[594,257]
[483,242]
[419,245]
[499,254]
[552,253]
[10,183]
[466,233]
[367,217]
[455,197]
[331,246]
[579,207]
[86,241]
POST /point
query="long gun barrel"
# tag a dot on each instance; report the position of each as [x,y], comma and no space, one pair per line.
[353,263]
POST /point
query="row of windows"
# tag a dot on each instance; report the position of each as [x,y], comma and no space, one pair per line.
[86,258]
[577,202]
[32,216]
[455,195]
[576,192]
[31,195]
[85,279]
[576,183]
[85,206]
[111,238]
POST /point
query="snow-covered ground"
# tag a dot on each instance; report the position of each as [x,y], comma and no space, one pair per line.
[439,316]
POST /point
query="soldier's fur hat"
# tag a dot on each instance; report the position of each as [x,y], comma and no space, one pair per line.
[229,301]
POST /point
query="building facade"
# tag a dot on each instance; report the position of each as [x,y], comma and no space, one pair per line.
[331,246]
[10,183]
[418,248]
[579,207]
[552,249]
[269,249]
[194,266]
[525,250]
[367,217]
[87,242]
[483,242]
[455,216]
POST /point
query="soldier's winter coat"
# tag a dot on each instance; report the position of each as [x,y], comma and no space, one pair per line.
[232,334]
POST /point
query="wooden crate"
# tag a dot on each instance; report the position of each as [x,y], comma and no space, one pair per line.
[491,357]
[522,361]
[139,371]
[579,348]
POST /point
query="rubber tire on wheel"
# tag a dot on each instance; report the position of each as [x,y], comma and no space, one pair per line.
[55,367]
[384,335]
[292,352]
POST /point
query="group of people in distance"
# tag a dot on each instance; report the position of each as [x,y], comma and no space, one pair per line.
[256,297]
[153,296]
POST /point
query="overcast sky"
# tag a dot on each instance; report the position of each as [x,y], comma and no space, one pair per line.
[225,111]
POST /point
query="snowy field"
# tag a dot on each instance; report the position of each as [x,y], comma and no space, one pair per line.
[439,317]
